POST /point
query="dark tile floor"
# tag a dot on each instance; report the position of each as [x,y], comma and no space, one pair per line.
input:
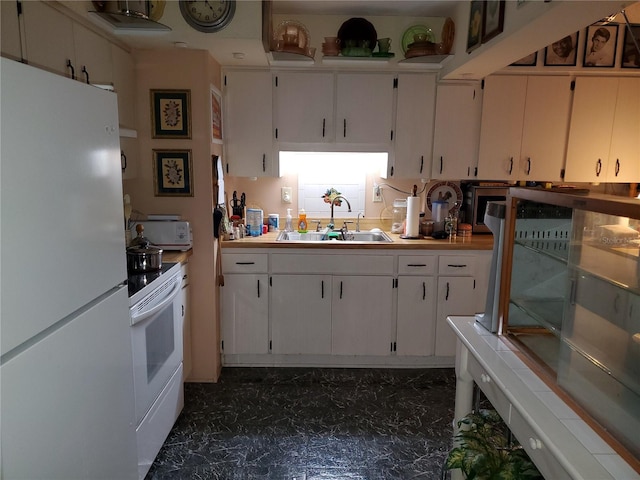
[312,424]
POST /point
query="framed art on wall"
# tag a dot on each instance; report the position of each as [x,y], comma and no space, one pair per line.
[474,35]
[170,113]
[216,115]
[563,51]
[492,19]
[528,61]
[600,45]
[630,49]
[172,173]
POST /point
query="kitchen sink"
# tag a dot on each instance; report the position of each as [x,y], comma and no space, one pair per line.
[351,236]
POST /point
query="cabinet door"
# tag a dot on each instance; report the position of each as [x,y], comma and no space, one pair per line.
[545,129]
[248,123]
[244,312]
[301,314]
[361,324]
[592,114]
[124,83]
[456,296]
[93,56]
[304,107]
[502,121]
[364,108]
[48,38]
[414,126]
[457,131]
[10,30]
[415,328]
[624,155]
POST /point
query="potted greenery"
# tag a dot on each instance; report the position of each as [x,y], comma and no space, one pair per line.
[482,450]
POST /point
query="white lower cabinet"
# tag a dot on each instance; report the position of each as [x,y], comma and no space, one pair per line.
[301,314]
[346,308]
[361,315]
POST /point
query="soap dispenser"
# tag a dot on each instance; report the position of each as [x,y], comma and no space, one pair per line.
[288,226]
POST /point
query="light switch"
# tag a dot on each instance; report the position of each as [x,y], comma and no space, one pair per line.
[285,194]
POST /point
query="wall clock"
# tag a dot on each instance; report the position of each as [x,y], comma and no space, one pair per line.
[208,15]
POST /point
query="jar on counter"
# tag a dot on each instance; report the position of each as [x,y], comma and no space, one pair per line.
[426,226]
[399,215]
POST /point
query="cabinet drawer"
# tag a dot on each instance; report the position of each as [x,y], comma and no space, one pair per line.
[332,264]
[416,264]
[244,263]
[489,388]
[457,265]
[535,448]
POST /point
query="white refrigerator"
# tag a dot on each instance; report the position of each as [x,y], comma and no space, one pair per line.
[66,377]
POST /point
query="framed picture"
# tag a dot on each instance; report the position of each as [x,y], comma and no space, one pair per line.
[216,115]
[562,52]
[172,170]
[600,45]
[630,51]
[529,61]
[170,113]
[492,19]
[474,36]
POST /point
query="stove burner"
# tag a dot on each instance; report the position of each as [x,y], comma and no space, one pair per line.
[136,282]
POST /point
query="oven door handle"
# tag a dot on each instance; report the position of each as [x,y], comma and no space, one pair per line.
[137,318]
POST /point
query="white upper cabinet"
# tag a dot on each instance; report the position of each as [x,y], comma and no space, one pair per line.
[92,56]
[10,30]
[415,110]
[304,106]
[364,108]
[248,124]
[457,131]
[524,128]
[604,141]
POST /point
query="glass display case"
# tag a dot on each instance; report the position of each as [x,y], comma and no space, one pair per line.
[570,300]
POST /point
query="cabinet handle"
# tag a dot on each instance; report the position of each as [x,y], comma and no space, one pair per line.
[264,162]
[258,288]
[245,263]
[528,165]
[73,70]
[421,162]
[340,289]
[416,265]
[183,310]
[510,165]
[485,378]
[322,289]
[123,160]
[344,128]
[598,167]
[86,74]
[447,295]
[441,164]
[456,266]
[617,166]
[324,122]
[424,291]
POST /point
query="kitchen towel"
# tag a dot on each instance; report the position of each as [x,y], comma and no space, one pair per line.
[413,217]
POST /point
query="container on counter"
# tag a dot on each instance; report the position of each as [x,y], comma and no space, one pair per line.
[464,230]
[274,222]
[302,221]
[426,226]
[255,220]
[399,215]
[439,212]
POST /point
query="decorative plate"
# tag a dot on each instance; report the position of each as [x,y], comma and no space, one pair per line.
[356,30]
[447,191]
[294,28]
[407,36]
[448,34]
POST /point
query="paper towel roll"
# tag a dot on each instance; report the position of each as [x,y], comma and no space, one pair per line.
[413,217]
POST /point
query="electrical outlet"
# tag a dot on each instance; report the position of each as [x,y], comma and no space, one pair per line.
[285,194]
[377,194]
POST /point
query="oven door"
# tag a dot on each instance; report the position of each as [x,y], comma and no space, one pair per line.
[156,338]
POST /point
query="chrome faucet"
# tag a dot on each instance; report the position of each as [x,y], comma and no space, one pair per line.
[332,221]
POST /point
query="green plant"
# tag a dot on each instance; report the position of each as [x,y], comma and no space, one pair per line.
[482,450]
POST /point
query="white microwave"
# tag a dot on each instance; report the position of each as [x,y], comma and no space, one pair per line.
[167,234]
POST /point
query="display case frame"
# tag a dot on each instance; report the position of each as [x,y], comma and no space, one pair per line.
[581,344]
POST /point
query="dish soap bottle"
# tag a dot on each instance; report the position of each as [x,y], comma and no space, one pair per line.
[302,221]
[288,226]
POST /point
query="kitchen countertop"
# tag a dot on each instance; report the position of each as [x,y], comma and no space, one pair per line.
[176,256]
[475,242]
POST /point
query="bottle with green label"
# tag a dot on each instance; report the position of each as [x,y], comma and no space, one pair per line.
[302,221]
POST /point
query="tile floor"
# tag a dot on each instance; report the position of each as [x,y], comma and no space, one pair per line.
[312,424]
